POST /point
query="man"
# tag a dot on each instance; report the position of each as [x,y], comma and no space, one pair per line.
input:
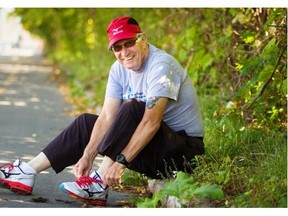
[150,123]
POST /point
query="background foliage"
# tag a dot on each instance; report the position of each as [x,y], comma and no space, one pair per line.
[236,58]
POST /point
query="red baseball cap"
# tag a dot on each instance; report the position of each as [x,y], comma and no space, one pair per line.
[122,28]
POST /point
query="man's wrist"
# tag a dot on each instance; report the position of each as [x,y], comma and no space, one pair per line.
[90,155]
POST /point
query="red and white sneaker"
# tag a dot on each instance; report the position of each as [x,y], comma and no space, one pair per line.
[19,177]
[88,189]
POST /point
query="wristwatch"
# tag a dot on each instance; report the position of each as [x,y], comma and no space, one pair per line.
[120,158]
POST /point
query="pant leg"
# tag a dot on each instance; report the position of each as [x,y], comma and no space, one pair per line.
[68,147]
[168,152]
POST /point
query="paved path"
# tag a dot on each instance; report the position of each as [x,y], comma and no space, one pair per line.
[32,112]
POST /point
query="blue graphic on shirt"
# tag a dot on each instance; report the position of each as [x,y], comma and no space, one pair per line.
[136,95]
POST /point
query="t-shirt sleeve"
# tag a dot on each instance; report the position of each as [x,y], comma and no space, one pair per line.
[114,88]
[163,81]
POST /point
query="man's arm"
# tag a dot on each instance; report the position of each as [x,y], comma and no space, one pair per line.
[147,128]
[104,121]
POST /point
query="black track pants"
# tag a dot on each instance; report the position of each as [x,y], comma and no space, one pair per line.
[167,151]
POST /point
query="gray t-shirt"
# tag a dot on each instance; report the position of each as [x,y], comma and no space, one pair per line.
[160,76]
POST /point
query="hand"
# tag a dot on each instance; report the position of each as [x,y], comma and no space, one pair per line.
[113,174]
[82,167]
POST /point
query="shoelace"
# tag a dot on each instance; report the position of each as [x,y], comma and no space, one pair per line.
[87,180]
[7,167]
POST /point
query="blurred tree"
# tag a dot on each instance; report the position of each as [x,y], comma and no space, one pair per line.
[237,53]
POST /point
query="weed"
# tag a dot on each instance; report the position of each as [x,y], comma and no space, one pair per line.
[185,188]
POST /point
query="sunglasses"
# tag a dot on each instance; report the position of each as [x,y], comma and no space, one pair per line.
[127,44]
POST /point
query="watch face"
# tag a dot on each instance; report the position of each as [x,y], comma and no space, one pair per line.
[120,158]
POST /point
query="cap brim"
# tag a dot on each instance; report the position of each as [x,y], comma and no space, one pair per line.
[120,37]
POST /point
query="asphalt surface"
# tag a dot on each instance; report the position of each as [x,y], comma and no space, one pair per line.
[32,112]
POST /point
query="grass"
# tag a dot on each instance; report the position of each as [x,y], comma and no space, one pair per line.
[248,161]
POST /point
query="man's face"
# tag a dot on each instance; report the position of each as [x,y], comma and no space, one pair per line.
[129,55]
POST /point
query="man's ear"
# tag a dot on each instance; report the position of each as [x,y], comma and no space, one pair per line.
[144,40]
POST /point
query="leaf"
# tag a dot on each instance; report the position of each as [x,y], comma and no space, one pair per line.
[180,185]
[150,203]
[265,73]
[210,191]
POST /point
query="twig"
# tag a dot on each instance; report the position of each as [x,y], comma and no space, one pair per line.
[270,78]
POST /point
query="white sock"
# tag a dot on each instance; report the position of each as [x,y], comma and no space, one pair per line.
[27,168]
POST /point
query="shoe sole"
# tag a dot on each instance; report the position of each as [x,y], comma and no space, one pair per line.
[17,187]
[97,202]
